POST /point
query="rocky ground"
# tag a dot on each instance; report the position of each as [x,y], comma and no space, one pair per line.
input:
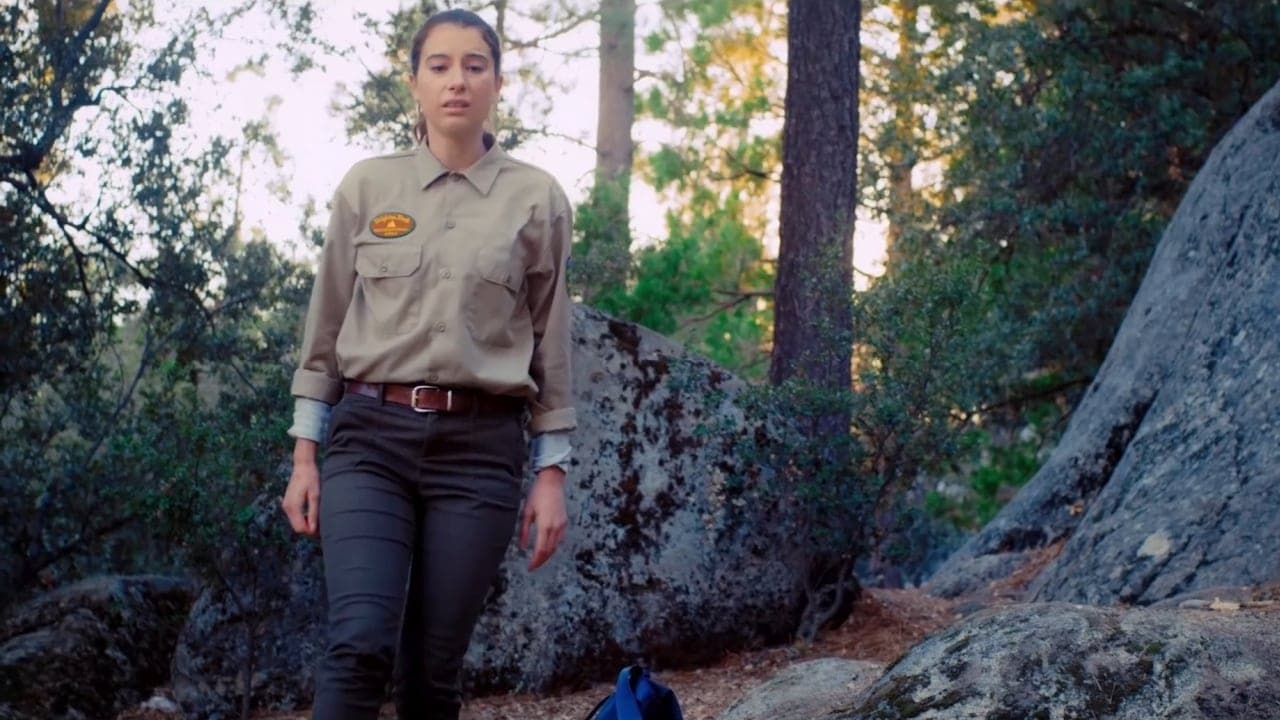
[884,624]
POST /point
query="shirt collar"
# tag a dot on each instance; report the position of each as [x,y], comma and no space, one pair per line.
[481,174]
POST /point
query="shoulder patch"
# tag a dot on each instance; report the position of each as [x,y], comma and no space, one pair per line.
[392,225]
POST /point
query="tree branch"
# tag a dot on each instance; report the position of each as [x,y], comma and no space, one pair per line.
[737,298]
[48,558]
[65,62]
[560,136]
[574,21]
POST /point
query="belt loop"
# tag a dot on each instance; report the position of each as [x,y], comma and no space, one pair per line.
[382,393]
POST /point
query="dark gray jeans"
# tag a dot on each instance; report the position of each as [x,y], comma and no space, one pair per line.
[416,512]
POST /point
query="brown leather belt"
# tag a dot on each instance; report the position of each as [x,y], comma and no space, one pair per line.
[434,399]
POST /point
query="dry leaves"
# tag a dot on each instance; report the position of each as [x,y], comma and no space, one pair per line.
[884,624]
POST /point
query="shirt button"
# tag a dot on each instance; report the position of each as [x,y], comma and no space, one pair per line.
[382,268]
[432,377]
[446,274]
[440,327]
[450,224]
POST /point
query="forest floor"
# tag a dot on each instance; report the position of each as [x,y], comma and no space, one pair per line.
[883,625]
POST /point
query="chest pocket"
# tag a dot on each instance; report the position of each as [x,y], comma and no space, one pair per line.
[391,285]
[495,300]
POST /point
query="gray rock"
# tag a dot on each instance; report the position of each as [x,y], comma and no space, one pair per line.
[1193,501]
[971,575]
[1258,596]
[90,649]
[1054,660]
[1180,424]
[674,554]
[806,690]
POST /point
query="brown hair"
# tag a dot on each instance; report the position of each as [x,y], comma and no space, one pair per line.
[463,18]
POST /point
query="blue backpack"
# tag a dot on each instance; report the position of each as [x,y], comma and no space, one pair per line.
[637,697]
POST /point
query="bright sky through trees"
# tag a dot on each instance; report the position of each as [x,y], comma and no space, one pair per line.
[316,150]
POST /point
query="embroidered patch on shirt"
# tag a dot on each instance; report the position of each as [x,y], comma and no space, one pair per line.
[391,225]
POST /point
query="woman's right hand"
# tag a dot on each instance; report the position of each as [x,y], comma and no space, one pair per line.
[301,501]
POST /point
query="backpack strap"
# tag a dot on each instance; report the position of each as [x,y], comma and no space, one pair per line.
[624,697]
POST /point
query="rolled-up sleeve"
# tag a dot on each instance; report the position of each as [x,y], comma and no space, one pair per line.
[310,419]
[317,376]
[551,312]
[550,449]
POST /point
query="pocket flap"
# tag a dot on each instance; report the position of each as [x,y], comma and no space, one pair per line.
[501,268]
[384,261]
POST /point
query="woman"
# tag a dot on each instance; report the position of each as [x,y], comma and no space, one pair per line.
[438,322]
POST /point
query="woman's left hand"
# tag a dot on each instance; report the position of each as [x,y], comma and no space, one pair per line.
[544,508]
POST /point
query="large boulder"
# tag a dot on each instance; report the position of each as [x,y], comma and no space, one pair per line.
[674,553]
[1169,472]
[1055,660]
[670,558]
[92,648]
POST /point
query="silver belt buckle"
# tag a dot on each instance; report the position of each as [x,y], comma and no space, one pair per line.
[413,399]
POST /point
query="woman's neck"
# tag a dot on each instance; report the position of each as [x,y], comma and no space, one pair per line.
[456,154]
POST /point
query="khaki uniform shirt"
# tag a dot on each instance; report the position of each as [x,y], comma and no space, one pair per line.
[443,278]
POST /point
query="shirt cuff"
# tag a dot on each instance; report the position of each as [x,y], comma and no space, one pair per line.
[310,419]
[546,421]
[550,449]
[313,384]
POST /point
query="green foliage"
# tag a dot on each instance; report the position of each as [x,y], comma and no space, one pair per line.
[707,282]
[601,254]
[201,462]
[1070,133]
[1084,126]
[998,472]
[1064,135]
[144,325]
[381,109]
[699,286]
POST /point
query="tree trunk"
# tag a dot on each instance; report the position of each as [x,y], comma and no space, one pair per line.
[614,149]
[500,27]
[901,153]
[813,290]
[606,245]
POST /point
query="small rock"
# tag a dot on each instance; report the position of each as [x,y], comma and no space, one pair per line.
[806,690]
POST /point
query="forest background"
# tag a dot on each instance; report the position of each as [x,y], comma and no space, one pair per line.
[1023,157]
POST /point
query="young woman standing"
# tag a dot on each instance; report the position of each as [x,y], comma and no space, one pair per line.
[438,327]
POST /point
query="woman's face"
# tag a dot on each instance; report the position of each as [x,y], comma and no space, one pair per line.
[455,83]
